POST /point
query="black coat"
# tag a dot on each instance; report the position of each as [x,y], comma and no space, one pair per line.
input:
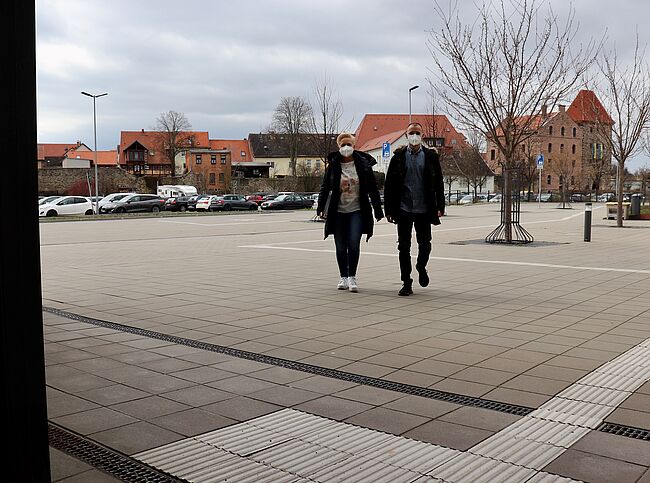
[331,190]
[433,184]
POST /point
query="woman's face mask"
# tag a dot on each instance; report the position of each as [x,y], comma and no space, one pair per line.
[346,151]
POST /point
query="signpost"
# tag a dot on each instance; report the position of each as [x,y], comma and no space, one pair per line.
[385,152]
[540,167]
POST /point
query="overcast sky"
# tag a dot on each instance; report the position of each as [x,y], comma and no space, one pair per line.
[226,64]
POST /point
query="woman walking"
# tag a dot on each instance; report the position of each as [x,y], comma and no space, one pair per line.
[346,202]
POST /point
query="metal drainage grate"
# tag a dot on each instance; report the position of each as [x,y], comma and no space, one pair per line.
[116,464]
[308,368]
[628,431]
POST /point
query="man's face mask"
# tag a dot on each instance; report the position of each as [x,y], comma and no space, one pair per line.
[415,139]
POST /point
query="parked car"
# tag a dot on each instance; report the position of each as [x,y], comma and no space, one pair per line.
[112,198]
[479,198]
[204,203]
[256,197]
[179,203]
[287,202]
[496,198]
[234,202]
[191,203]
[606,197]
[578,197]
[66,205]
[47,199]
[135,203]
[269,197]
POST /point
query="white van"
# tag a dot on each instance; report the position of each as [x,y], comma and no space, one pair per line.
[173,191]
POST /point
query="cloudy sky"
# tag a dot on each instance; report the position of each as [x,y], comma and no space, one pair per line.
[227,64]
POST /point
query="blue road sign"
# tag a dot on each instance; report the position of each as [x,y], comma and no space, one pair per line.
[385,150]
[540,161]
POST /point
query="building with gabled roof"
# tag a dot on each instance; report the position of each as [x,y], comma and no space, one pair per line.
[274,150]
[51,155]
[143,152]
[377,129]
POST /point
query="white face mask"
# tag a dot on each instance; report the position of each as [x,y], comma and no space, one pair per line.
[414,139]
[346,151]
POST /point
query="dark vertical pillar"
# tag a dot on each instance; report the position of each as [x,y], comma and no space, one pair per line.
[23,402]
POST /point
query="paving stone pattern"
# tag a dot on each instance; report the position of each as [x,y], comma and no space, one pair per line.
[517,333]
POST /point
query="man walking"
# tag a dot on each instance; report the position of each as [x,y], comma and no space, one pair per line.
[414,197]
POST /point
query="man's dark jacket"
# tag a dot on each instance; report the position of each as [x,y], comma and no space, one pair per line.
[331,190]
[434,188]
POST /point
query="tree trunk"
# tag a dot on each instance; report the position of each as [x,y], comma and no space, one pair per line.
[507,204]
[619,196]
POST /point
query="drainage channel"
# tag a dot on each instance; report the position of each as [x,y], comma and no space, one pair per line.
[627,431]
[104,459]
[308,368]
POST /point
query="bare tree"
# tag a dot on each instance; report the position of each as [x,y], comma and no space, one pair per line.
[326,117]
[470,163]
[495,74]
[564,169]
[626,95]
[173,137]
[292,117]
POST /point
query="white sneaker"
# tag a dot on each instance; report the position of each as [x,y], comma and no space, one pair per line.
[343,283]
[352,284]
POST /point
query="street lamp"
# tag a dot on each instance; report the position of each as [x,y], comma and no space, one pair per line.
[411,90]
[95,156]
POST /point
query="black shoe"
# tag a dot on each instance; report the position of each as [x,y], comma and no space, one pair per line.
[423,279]
[406,290]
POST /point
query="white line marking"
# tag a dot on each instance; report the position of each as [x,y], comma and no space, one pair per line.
[466,260]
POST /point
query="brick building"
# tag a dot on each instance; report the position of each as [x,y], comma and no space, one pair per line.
[571,141]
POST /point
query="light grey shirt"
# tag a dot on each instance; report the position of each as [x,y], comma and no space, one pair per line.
[413,200]
[349,200]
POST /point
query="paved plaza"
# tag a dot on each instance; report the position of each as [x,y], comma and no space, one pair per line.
[217,348]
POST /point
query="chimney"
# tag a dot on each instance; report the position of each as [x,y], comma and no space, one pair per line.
[562,107]
[544,110]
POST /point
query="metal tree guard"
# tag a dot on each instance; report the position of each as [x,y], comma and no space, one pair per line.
[510,231]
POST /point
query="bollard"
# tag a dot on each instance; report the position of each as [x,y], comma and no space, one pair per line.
[587,222]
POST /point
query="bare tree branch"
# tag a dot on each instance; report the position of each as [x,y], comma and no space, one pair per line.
[173,138]
[292,117]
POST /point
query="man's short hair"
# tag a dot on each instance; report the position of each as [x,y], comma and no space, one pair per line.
[414,124]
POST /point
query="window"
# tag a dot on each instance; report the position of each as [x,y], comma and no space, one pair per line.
[573,149]
[550,130]
[562,131]
[198,159]
[223,159]
[256,172]
[243,154]
[318,163]
[575,132]
[308,163]
[561,148]
[493,155]
[221,177]
[213,159]
[135,155]
[550,147]
[549,179]
[213,176]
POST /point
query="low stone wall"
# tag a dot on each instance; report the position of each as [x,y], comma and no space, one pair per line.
[74,181]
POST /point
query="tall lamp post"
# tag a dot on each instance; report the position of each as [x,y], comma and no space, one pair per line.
[411,90]
[95,155]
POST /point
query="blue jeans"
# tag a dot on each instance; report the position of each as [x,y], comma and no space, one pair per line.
[347,237]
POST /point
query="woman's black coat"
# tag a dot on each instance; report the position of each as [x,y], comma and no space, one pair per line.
[368,193]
